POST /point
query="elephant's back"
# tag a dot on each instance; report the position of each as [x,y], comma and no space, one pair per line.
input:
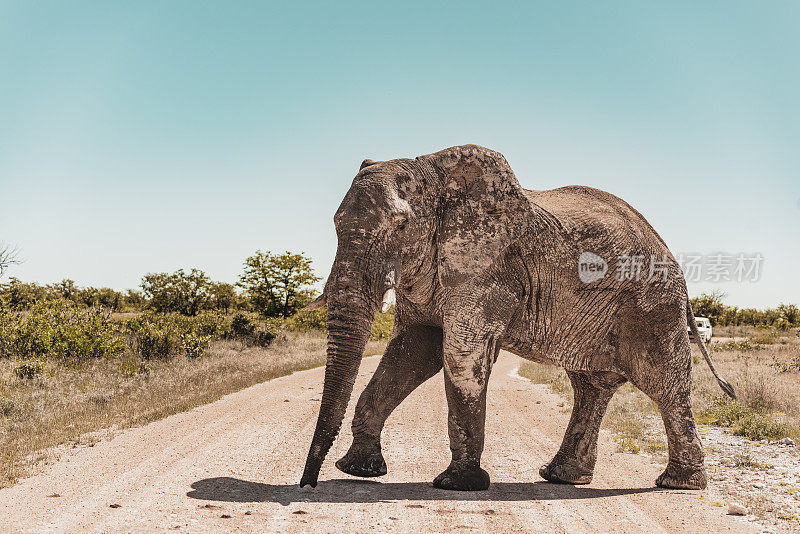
[597,219]
[639,285]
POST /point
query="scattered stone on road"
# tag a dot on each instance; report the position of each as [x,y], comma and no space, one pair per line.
[737,509]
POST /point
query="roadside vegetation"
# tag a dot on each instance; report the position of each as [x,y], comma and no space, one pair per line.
[762,361]
[712,306]
[78,361]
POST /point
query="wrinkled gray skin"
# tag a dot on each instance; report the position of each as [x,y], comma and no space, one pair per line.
[479,265]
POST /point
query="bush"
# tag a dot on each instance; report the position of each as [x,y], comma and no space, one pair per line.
[63,330]
[265,335]
[251,331]
[712,306]
[741,346]
[790,314]
[383,326]
[765,338]
[194,345]
[308,321]
[165,335]
[30,368]
[59,329]
[242,326]
[154,341]
[755,423]
[213,325]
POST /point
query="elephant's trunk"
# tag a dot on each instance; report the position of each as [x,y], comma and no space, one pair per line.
[350,317]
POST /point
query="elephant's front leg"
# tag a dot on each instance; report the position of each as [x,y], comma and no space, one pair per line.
[468,359]
[574,461]
[411,357]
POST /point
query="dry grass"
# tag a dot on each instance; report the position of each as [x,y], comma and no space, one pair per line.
[764,370]
[627,414]
[66,404]
[735,331]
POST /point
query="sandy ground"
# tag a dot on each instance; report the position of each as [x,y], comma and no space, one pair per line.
[234,465]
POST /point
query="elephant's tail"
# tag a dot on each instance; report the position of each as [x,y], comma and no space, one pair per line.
[726,387]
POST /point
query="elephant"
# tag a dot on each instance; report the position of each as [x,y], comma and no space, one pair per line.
[476,264]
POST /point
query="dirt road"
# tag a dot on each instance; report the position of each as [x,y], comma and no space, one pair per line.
[235,465]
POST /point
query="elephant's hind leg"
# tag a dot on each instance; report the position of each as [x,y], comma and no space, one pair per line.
[672,394]
[685,469]
[574,461]
[412,356]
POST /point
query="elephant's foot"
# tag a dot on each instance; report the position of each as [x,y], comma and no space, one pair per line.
[468,477]
[682,477]
[361,463]
[565,472]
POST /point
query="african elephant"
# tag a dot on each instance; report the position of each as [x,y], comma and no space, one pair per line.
[479,264]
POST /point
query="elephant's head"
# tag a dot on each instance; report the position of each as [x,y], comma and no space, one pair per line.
[436,221]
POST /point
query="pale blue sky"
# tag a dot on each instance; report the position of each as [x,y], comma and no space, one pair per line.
[150,136]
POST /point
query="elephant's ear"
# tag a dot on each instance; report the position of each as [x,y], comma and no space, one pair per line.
[484,211]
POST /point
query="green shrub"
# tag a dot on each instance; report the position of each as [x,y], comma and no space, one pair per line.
[194,345]
[790,314]
[383,326]
[154,341]
[712,306]
[264,336]
[765,338]
[157,335]
[242,326]
[741,346]
[59,329]
[307,321]
[792,366]
[747,461]
[30,368]
[751,422]
[213,325]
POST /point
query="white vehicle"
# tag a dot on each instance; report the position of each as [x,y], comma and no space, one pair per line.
[703,327]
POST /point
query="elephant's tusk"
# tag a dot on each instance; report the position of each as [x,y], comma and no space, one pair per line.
[388,300]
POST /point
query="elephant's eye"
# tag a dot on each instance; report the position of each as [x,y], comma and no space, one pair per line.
[401,223]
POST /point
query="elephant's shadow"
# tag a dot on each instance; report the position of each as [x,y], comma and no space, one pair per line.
[228,489]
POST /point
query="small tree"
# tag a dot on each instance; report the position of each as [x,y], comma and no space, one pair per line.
[181,292]
[710,305]
[223,296]
[790,313]
[65,289]
[278,284]
[104,297]
[135,299]
[21,295]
